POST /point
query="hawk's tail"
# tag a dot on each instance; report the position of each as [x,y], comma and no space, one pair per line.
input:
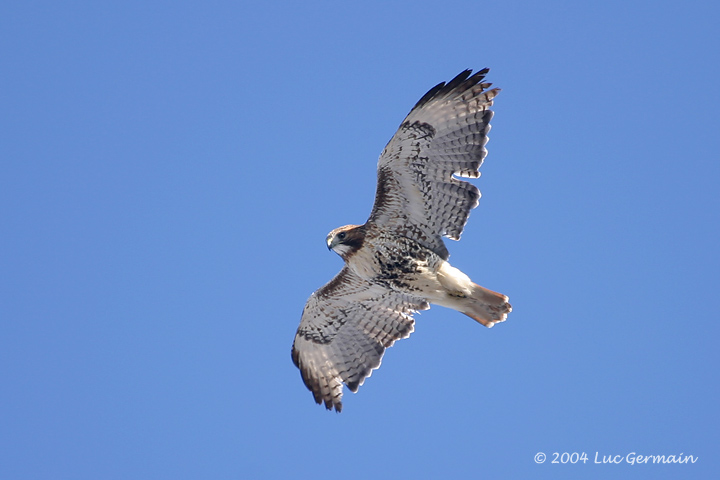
[485,306]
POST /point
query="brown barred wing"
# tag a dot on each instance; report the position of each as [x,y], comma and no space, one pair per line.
[443,137]
[344,331]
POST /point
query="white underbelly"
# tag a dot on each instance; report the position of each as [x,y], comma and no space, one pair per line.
[424,275]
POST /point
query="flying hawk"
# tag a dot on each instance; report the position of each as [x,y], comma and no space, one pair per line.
[396,263]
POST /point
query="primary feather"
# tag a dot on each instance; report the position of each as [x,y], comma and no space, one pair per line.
[396,263]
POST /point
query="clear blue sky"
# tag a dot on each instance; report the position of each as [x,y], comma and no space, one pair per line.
[169,171]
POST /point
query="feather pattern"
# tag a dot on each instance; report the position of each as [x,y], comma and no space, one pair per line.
[344,331]
[443,136]
[395,264]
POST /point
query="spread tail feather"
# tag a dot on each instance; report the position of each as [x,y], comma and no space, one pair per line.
[485,306]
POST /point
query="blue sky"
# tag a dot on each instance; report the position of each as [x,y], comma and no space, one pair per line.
[169,171]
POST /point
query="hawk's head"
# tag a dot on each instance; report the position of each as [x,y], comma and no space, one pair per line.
[347,240]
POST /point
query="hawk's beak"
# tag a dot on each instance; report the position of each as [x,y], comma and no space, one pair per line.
[328,241]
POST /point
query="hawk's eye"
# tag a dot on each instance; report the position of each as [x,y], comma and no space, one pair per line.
[341,235]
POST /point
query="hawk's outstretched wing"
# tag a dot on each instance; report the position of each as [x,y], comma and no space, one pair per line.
[344,331]
[442,136]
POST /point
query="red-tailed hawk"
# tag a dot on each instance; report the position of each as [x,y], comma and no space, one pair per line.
[396,263]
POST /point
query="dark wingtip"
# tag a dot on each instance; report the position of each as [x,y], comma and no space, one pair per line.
[461,82]
[430,94]
[330,404]
[354,385]
[459,79]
